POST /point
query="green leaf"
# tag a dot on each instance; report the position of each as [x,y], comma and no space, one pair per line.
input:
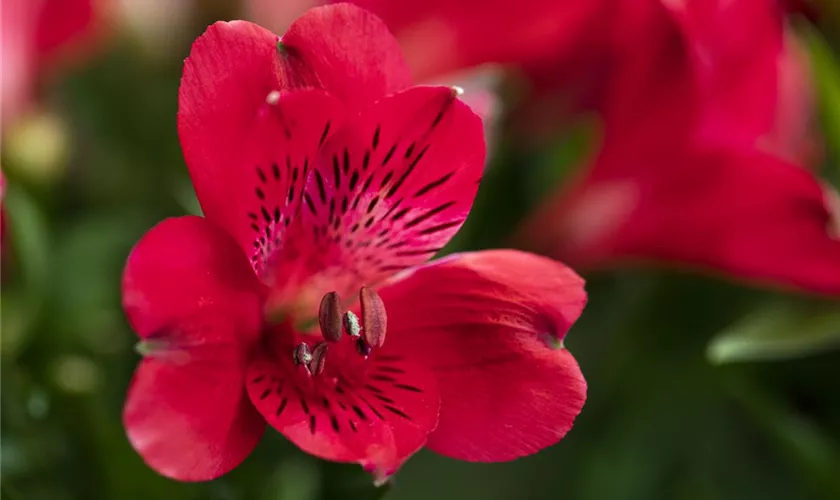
[28,242]
[342,481]
[780,330]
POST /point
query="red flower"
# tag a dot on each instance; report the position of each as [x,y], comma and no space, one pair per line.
[697,163]
[36,37]
[323,175]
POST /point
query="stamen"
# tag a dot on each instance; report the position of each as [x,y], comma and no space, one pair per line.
[351,324]
[374,317]
[329,317]
[363,348]
[302,355]
[319,359]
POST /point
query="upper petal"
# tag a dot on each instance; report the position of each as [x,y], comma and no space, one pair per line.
[248,142]
[389,190]
[190,293]
[485,323]
[347,51]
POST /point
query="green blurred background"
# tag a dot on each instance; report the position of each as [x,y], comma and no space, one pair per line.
[698,388]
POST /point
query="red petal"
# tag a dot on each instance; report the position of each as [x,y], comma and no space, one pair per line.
[192,422]
[348,52]
[19,61]
[187,289]
[375,412]
[439,36]
[651,77]
[65,23]
[482,321]
[389,191]
[248,146]
[749,215]
[736,48]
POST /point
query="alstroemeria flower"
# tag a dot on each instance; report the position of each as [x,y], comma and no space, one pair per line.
[300,299]
[695,167]
[37,36]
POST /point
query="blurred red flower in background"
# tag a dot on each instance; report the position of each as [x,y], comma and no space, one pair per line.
[440,36]
[707,125]
[321,173]
[37,37]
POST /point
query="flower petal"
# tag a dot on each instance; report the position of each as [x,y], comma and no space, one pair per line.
[348,52]
[388,192]
[248,143]
[651,76]
[735,51]
[439,36]
[485,323]
[19,65]
[749,215]
[188,291]
[192,422]
[376,411]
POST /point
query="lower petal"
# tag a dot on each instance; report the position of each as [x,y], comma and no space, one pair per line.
[192,420]
[374,411]
[189,292]
[490,326]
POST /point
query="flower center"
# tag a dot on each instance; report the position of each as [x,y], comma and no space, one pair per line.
[367,334]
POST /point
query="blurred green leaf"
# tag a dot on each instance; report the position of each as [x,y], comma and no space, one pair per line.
[343,481]
[780,330]
[28,261]
[567,156]
[801,442]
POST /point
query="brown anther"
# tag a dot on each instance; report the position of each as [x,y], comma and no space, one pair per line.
[362,347]
[374,318]
[351,324]
[319,358]
[302,354]
[329,317]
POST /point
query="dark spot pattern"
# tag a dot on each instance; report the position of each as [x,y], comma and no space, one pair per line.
[278,191]
[335,405]
[379,192]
